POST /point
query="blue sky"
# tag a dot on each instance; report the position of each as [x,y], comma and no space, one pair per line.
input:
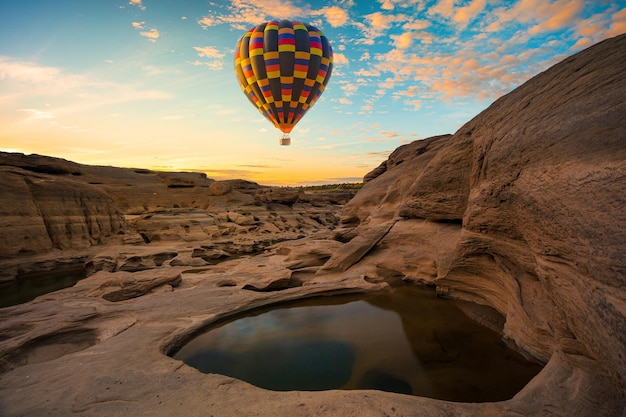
[150,83]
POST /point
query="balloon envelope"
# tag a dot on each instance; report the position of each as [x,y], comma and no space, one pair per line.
[283,67]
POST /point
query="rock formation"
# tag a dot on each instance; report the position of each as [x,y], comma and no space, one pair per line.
[520,213]
[50,205]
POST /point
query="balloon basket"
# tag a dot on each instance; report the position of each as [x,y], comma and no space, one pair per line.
[285,140]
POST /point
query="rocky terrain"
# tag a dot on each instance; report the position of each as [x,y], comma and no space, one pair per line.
[521,212]
[54,210]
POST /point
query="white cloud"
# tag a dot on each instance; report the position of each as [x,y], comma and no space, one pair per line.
[464,14]
[416,24]
[243,14]
[335,16]
[34,114]
[152,34]
[349,89]
[26,72]
[379,23]
[28,82]
[403,41]
[417,104]
[137,3]
[367,72]
[214,55]
[546,16]
[209,52]
[386,4]
[340,59]
[212,65]
[618,24]
[444,8]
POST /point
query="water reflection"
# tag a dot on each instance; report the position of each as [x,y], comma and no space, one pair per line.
[406,341]
[24,289]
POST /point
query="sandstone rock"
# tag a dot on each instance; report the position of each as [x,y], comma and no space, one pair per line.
[352,252]
[122,286]
[534,187]
[41,212]
[241,219]
[220,188]
[285,196]
[382,197]
[209,254]
[307,253]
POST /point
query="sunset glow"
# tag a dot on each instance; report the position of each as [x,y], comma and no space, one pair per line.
[150,84]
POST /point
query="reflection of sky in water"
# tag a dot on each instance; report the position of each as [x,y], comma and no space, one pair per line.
[407,342]
[298,323]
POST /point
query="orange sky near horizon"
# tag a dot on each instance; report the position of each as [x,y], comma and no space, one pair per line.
[151,84]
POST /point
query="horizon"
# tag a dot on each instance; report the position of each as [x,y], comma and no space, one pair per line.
[137,84]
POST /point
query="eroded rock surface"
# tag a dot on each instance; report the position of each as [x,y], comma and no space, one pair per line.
[521,211]
[50,205]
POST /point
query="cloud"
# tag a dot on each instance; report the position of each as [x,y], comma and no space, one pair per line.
[215,56]
[208,51]
[335,16]
[243,14]
[544,15]
[556,16]
[417,104]
[349,89]
[152,34]
[416,25]
[340,59]
[386,4]
[137,3]
[410,92]
[618,24]
[378,23]
[212,65]
[444,8]
[464,14]
[465,73]
[34,114]
[208,21]
[367,72]
[26,72]
[600,26]
[28,82]
[403,41]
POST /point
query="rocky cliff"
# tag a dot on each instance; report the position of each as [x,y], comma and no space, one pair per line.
[50,205]
[520,213]
[521,210]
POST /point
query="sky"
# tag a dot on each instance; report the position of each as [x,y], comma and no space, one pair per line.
[150,83]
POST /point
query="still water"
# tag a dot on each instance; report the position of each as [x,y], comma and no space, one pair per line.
[21,290]
[406,341]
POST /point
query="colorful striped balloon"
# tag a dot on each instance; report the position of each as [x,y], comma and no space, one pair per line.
[283,67]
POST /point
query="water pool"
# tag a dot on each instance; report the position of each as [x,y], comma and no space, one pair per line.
[405,341]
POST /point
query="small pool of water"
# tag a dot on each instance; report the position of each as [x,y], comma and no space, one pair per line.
[27,288]
[405,341]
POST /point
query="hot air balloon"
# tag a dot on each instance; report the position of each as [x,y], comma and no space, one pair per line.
[283,67]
